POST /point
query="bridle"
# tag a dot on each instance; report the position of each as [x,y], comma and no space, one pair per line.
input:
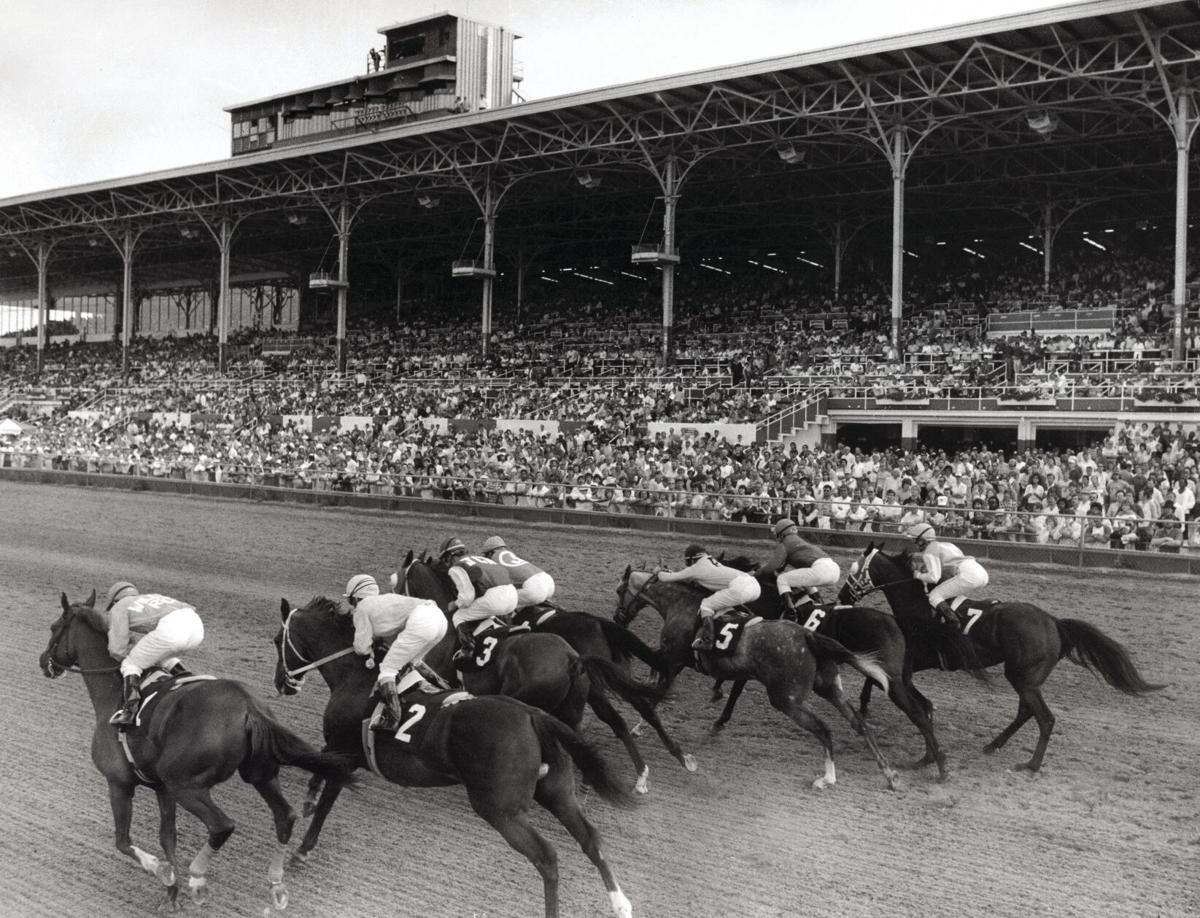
[54,669]
[862,584]
[626,613]
[290,675]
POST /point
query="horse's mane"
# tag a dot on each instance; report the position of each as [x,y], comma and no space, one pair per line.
[322,605]
[903,558]
[97,618]
[740,562]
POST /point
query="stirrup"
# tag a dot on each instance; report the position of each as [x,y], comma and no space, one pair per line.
[124,719]
[436,682]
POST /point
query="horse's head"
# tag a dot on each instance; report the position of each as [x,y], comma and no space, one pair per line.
[306,635]
[631,595]
[876,570]
[429,579]
[62,653]
[399,578]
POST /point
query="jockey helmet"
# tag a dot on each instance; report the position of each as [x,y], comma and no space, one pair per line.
[452,547]
[694,551]
[783,526]
[360,586]
[492,543]
[119,591]
[921,532]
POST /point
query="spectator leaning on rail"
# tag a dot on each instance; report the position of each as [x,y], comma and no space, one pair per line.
[944,566]
[171,627]
[798,564]
[730,587]
[484,589]
[410,627]
[534,586]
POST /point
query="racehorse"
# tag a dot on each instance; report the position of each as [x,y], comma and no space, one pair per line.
[536,667]
[505,753]
[1026,639]
[787,659]
[195,736]
[863,629]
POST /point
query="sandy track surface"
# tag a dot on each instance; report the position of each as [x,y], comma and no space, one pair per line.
[1109,828]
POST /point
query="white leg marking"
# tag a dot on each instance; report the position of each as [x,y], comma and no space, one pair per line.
[689,761]
[642,785]
[543,770]
[148,862]
[620,905]
[199,865]
[830,778]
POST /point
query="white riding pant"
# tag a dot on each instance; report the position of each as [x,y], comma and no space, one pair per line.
[176,632]
[741,590]
[970,576]
[822,572]
[499,600]
[536,590]
[426,626]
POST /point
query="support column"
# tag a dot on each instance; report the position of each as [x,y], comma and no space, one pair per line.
[343,287]
[670,200]
[399,288]
[489,265]
[899,163]
[520,283]
[42,259]
[908,433]
[127,300]
[1026,434]
[224,240]
[839,249]
[1184,124]
[1048,233]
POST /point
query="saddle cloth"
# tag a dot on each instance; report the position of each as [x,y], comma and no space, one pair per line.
[728,628]
[155,687]
[488,636]
[417,710]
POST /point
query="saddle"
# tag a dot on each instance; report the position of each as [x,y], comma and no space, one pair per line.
[156,684]
[728,628]
[533,617]
[417,710]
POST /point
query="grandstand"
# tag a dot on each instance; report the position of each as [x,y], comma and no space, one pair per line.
[929,248]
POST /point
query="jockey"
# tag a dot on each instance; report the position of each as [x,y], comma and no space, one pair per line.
[942,565]
[409,626]
[798,563]
[170,627]
[730,587]
[534,585]
[484,590]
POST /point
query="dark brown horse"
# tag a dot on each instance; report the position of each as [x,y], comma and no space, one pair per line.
[787,659]
[863,629]
[197,735]
[505,753]
[1026,639]
[533,667]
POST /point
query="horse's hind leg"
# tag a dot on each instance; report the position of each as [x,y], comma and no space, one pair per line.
[606,712]
[285,821]
[168,838]
[1035,703]
[524,838]
[200,804]
[792,705]
[727,712]
[315,785]
[905,697]
[831,690]
[324,804]
[649,714]
[556,792]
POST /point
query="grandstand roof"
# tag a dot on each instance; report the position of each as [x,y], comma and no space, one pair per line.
[964,100]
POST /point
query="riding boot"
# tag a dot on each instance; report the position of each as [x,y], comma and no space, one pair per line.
[390,717]
[131,697]
[948,614]
[707,635]
[178,671]
[788,601]
[814,596]
[466,641]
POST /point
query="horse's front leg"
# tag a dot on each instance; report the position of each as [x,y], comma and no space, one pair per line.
[328,798]
[734,694]
[120,798]
[285,821]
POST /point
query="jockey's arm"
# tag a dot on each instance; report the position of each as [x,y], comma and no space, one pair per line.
[118,632]
[364,634]
[675,576]
[466,589]
[776,560]
[931,568]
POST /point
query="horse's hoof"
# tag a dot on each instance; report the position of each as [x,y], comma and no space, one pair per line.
[636,729]
[310,807]
[821,784]
[279,896]
[198,888]
[172,903]
[892,779]
[717,727]
[689,762]
[165,873]
[1027,766]
[990,749]
[642,785]
[716,696]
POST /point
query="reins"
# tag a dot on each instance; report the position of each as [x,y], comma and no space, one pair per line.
[639,594]
[290,675]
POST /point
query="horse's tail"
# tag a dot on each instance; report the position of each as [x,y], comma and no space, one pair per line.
[1089,647]
[553,735]
[623,643]
[826,648]
[271,744]
[956,651]
[608,676]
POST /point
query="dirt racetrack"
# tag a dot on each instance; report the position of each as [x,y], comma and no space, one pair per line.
[1109,828]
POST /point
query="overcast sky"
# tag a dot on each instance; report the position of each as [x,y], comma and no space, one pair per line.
[96,89]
